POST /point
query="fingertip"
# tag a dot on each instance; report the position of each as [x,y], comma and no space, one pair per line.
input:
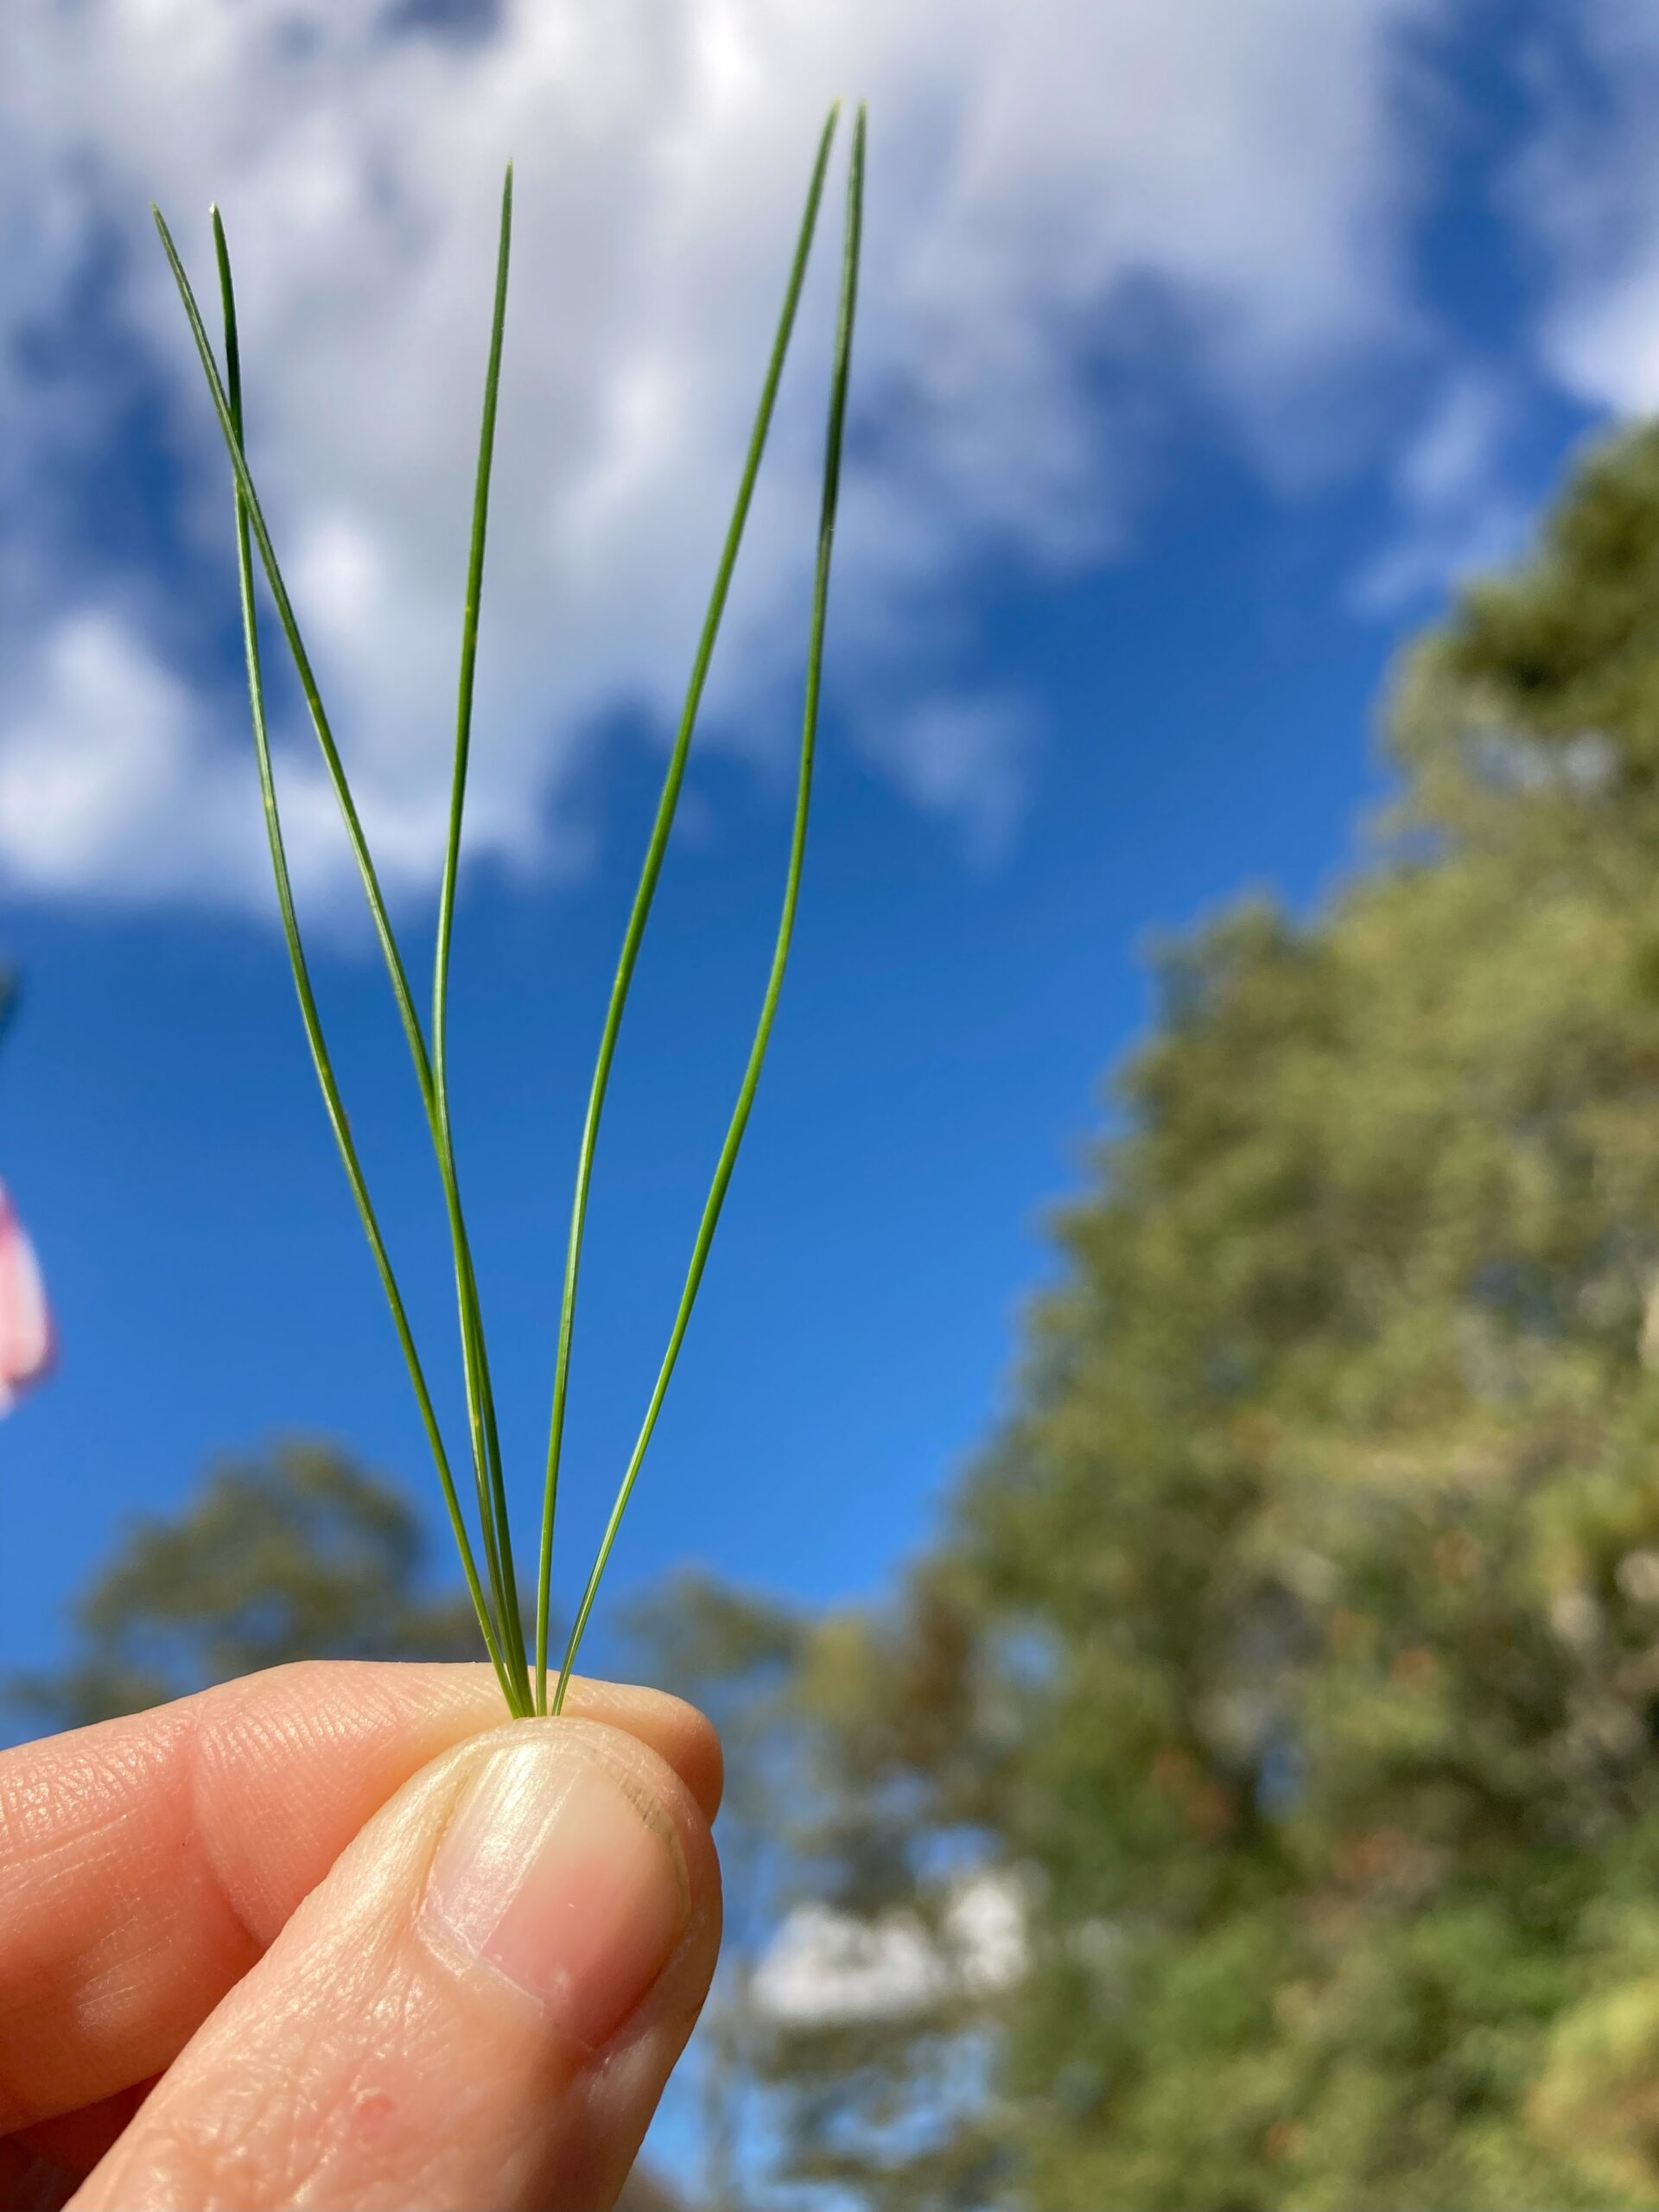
[677,1730]
[564,1869]
[180,1842]
[541,1902]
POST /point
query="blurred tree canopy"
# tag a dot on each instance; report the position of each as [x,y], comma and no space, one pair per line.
[1296,1645]
[301,1555]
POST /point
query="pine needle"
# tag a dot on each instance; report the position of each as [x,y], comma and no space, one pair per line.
[740,1121]
[524,1687]
[673,777]
[309,1014]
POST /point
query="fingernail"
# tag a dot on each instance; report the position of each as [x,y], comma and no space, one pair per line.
[568,1883]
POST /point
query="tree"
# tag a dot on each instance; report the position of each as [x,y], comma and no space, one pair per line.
[1296,1644]
[301,1554]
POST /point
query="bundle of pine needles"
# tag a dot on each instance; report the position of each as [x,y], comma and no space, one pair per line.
[524,1673]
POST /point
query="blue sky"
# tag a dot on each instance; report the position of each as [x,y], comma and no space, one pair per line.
[1198,359]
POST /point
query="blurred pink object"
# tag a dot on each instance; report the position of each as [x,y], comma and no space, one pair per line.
[25,1324]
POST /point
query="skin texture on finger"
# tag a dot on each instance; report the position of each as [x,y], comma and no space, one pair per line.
[479,2005]
[146,1864]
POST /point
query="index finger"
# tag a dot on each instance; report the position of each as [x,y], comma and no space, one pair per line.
[145,1864]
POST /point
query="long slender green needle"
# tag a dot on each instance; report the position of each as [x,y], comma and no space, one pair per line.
[510,1631]
[308,1014]
[480,1396]
[469,639]
[303,669]
[853,238]
[662,825]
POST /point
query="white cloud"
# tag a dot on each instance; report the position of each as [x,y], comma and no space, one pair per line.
[963,755]
[1587,191]
[1058,190]
[825,1967]
[107,782]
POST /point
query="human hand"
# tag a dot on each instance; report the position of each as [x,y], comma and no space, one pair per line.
[340,1936]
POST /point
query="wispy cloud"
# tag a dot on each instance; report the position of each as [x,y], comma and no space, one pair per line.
[1456,509]
[1586,191]
[1068,197]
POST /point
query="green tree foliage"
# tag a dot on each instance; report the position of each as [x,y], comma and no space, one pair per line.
[1297,1641]
[301,1555]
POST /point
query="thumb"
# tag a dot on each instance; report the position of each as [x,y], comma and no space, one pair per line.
[479,2005]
